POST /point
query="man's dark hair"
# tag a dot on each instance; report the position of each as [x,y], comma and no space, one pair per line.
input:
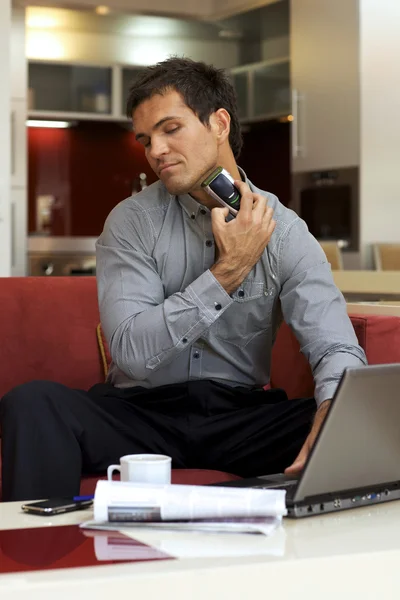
[204,89]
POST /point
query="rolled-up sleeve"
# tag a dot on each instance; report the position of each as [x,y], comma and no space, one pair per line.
[144,329]
[316,311]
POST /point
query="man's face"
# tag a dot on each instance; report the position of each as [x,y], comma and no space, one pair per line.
[180,149]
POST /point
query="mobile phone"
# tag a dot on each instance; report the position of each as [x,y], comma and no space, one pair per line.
[220,185]
[56,506]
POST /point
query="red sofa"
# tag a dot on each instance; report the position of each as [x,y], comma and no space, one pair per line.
[48,331]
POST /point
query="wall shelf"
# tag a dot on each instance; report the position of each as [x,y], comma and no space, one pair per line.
[79,92]
[263,90]
[75,116]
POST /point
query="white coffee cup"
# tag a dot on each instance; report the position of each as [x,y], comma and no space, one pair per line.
[143,468]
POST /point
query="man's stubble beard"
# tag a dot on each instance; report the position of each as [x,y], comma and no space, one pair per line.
[180,188]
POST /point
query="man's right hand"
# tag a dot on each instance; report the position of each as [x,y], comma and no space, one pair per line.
[241,242]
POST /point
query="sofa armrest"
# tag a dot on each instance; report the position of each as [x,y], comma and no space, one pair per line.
[378,335]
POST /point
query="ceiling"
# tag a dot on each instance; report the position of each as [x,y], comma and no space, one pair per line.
[56,19]
[208,10]
[245,26]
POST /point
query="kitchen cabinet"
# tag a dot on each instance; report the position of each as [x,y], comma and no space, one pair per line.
[18,231]
[324,67]
[17,54]
[18,142]
[263,90]
[66,91]
[5,95]
[76,92]
[18,145]
[271,82]
[69,88]
[317,86]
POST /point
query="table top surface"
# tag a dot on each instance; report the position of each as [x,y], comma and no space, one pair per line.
[362,542]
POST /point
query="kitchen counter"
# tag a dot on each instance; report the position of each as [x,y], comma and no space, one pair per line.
[54,245]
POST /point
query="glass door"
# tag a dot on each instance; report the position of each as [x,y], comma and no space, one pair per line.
[69,88]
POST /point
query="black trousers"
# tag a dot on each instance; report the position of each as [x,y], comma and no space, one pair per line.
[52,434]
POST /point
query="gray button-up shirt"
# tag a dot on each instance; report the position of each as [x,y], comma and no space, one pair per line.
[167,319]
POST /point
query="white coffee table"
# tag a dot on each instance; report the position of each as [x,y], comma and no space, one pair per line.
[353,554]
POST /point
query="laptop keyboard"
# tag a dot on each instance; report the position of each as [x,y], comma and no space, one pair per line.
[277,486]
[289,486]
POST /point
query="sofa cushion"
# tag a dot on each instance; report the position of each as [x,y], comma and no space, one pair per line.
[378,335]
[289,368]
[48,331]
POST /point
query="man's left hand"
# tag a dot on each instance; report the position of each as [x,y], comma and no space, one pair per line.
[300,461]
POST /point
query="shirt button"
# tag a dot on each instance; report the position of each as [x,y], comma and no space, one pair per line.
[203,211]
[196,354]
[184,340]
[218,306]
[192,216]
[241,293]
[208,243]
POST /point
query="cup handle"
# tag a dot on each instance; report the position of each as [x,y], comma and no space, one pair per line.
[111,470]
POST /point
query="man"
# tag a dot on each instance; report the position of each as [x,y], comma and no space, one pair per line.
[190,303]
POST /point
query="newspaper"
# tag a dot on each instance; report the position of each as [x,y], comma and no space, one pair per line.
[264,525]
[206,508]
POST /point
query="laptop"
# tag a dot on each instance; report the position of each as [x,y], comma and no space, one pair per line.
[355,460]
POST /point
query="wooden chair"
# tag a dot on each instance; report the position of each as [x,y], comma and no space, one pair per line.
[333,254]
[387,257]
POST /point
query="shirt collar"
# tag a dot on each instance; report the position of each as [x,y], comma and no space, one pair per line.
[192,207]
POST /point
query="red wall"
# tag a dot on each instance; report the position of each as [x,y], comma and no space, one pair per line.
[89,168]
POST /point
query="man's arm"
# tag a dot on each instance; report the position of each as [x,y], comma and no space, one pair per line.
[316,311]
[300,460]
[144,329]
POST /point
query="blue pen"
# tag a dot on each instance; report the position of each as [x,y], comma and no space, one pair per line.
[82,498]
